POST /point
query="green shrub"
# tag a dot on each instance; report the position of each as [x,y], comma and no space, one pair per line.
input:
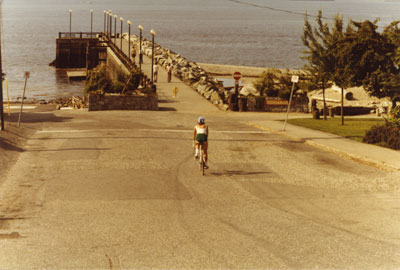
[116,87]
[275,83]
[394,116]
[387,135]
[99,81]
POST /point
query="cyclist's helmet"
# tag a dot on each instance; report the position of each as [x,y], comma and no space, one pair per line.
[201,120]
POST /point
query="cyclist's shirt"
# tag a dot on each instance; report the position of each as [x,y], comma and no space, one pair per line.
[201,134]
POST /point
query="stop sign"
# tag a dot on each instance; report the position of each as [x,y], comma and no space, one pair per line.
[237,75]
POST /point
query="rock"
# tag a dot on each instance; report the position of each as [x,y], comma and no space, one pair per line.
[215,98]
[201,88]
[225,107]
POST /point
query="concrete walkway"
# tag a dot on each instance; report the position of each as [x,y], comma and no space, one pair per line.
[376,156]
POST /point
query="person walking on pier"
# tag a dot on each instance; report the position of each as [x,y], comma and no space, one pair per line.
[169,70]
[155,71]
[133,54]
[141,56]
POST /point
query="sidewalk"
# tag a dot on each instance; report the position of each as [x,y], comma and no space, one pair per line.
[380,157]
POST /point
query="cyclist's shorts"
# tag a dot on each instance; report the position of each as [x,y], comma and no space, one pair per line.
[201,138]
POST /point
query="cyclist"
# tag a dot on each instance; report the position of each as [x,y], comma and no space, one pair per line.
[200,135]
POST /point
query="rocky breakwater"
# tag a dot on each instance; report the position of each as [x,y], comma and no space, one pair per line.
[71,102]
[189,72]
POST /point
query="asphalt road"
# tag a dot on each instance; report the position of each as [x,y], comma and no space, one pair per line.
[121,190]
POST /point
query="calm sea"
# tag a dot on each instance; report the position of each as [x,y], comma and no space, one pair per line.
[263,33]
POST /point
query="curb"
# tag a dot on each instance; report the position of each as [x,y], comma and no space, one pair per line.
[363,160]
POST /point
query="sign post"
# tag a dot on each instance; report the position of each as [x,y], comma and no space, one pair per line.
[23,97]
[237,76]
[295,79]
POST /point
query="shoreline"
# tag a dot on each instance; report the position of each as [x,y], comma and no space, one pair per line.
[222,70]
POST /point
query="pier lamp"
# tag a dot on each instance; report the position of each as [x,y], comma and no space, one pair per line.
[140,47]
[115,29]
[91,23]
[122,20]
[70,23]
[153,33]
[129,40]
[105,18]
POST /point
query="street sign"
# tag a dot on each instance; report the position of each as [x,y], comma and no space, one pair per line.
[237,76]
[26,75]
[295,79]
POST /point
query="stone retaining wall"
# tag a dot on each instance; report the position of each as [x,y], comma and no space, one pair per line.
[295,108]
[122,102]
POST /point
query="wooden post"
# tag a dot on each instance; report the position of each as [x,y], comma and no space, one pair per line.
[23,97]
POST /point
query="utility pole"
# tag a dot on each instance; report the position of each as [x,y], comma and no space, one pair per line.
[1,74]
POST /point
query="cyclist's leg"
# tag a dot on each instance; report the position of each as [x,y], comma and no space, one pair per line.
[205,148]
[196,154]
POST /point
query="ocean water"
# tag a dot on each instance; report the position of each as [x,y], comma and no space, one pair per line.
[263,33]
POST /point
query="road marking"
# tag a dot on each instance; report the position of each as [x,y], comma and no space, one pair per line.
[27,107]
[151,130]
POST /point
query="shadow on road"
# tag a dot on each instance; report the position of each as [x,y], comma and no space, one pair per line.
[9,146]
[68,149]
[31,117]
[166,101]
[241,173]
[166,109]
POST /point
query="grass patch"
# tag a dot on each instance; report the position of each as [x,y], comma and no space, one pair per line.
[353,128]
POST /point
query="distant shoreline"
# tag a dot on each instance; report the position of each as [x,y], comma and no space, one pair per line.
[220,70]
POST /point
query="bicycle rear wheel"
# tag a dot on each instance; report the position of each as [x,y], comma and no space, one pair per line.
[202,163]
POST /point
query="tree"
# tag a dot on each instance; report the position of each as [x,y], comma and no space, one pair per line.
[321,41]
[275,83]
[265,83]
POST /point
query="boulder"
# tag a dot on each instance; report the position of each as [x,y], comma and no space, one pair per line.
[215,98]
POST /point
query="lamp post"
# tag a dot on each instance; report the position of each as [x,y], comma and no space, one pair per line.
[140,48]
[129,40]
[153,33]
[107,22]
[110,24]
[105,18]
[70,23]
[122,20]
[115,30]
[91,23]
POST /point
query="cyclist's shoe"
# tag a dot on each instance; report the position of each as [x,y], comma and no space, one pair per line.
[196,156]
[205,166]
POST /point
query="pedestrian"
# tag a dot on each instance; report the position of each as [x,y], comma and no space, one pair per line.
[141,56]
[155,71]
[133,54]
[169,70]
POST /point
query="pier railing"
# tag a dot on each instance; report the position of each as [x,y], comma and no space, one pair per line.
[123,57]
[79,34]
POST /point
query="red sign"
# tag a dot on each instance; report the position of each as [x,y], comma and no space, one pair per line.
[237,75]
